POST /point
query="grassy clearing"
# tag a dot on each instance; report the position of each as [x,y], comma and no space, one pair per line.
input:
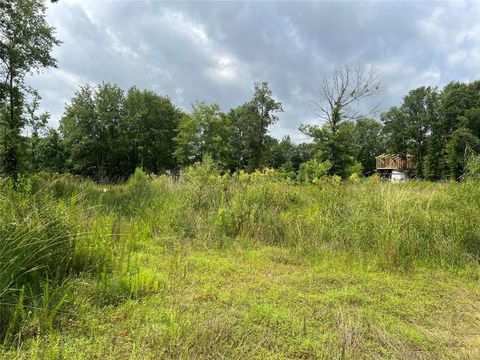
[243,267]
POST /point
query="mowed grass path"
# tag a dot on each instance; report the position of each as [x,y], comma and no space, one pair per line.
[273,303]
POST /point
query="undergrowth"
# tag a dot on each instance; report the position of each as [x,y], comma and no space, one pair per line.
[63,238]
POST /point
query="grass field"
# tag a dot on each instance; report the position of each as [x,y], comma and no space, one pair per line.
[240,267]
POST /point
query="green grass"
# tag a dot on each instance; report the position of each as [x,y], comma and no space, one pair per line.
[248,266]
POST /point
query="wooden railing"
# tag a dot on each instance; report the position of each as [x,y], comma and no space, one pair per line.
[394,162]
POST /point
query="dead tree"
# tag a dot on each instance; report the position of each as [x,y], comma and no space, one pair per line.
[343,90]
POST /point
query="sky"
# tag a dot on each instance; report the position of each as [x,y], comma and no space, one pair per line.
[215,51]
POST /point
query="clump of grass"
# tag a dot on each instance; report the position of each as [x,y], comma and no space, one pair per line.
[37,243]
[45,240]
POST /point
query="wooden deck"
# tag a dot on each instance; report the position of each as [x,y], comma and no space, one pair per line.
[393,162]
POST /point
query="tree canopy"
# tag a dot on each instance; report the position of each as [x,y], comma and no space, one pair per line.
[106,132]
[26,43]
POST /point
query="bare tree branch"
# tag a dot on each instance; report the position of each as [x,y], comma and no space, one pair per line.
[342,92]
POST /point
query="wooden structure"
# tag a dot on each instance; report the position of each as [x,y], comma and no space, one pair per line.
[393,164]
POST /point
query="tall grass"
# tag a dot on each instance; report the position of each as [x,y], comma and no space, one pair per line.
[36,242]
[396,225]
[53,228]
[45,240]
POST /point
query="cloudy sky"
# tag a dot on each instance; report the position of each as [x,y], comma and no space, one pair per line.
[214,51]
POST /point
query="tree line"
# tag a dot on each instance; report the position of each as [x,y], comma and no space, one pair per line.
[106,132]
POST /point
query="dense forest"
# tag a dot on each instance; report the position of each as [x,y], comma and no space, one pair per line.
[106,132]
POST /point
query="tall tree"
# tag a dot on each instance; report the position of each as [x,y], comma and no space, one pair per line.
[341,95]
[395,131]
[455,101]
[408,128]
[109,113]
[337,147]
[150,128]
[460,144]
[205,131]
[80,129]
[109,134]
[369,142]
[420,109]
[37,124]
[26,42]
[51,154]
[251,121]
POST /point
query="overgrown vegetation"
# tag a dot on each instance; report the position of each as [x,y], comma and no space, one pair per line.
[242,265]
[106,132]
[307,258]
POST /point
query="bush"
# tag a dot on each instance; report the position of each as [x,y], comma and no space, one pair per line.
[313,170]
[138,181]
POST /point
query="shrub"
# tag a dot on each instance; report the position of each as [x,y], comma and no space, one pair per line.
[313,170]
[138,181]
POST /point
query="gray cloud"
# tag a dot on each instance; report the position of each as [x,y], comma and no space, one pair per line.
[214,51]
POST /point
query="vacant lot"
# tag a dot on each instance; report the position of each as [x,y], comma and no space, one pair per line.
[248,266]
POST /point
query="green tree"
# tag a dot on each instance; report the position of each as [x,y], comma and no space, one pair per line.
[90,127]
[369,142]
[37,124]
[341,94]
[420,109]
[25,46]
[313,170]
[408,128]
[395,131]
[471,120]
[456,105]
[108,134]
[250,122]
[455,99]
[205,131]
[461,142]
[109,115]
[51,153]
[149,130]
[80,129]
[337,147]
[282,153]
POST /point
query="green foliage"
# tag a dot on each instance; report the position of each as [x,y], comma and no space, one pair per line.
[51,153]
[337,146]
[457,150]
[26,45]
[250,122]
[472,166]
[313,170]
[369,142]
[166,258]
[149,131]
[287,156]
[138,181]
[108,134]
[408,126]
[205,131]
